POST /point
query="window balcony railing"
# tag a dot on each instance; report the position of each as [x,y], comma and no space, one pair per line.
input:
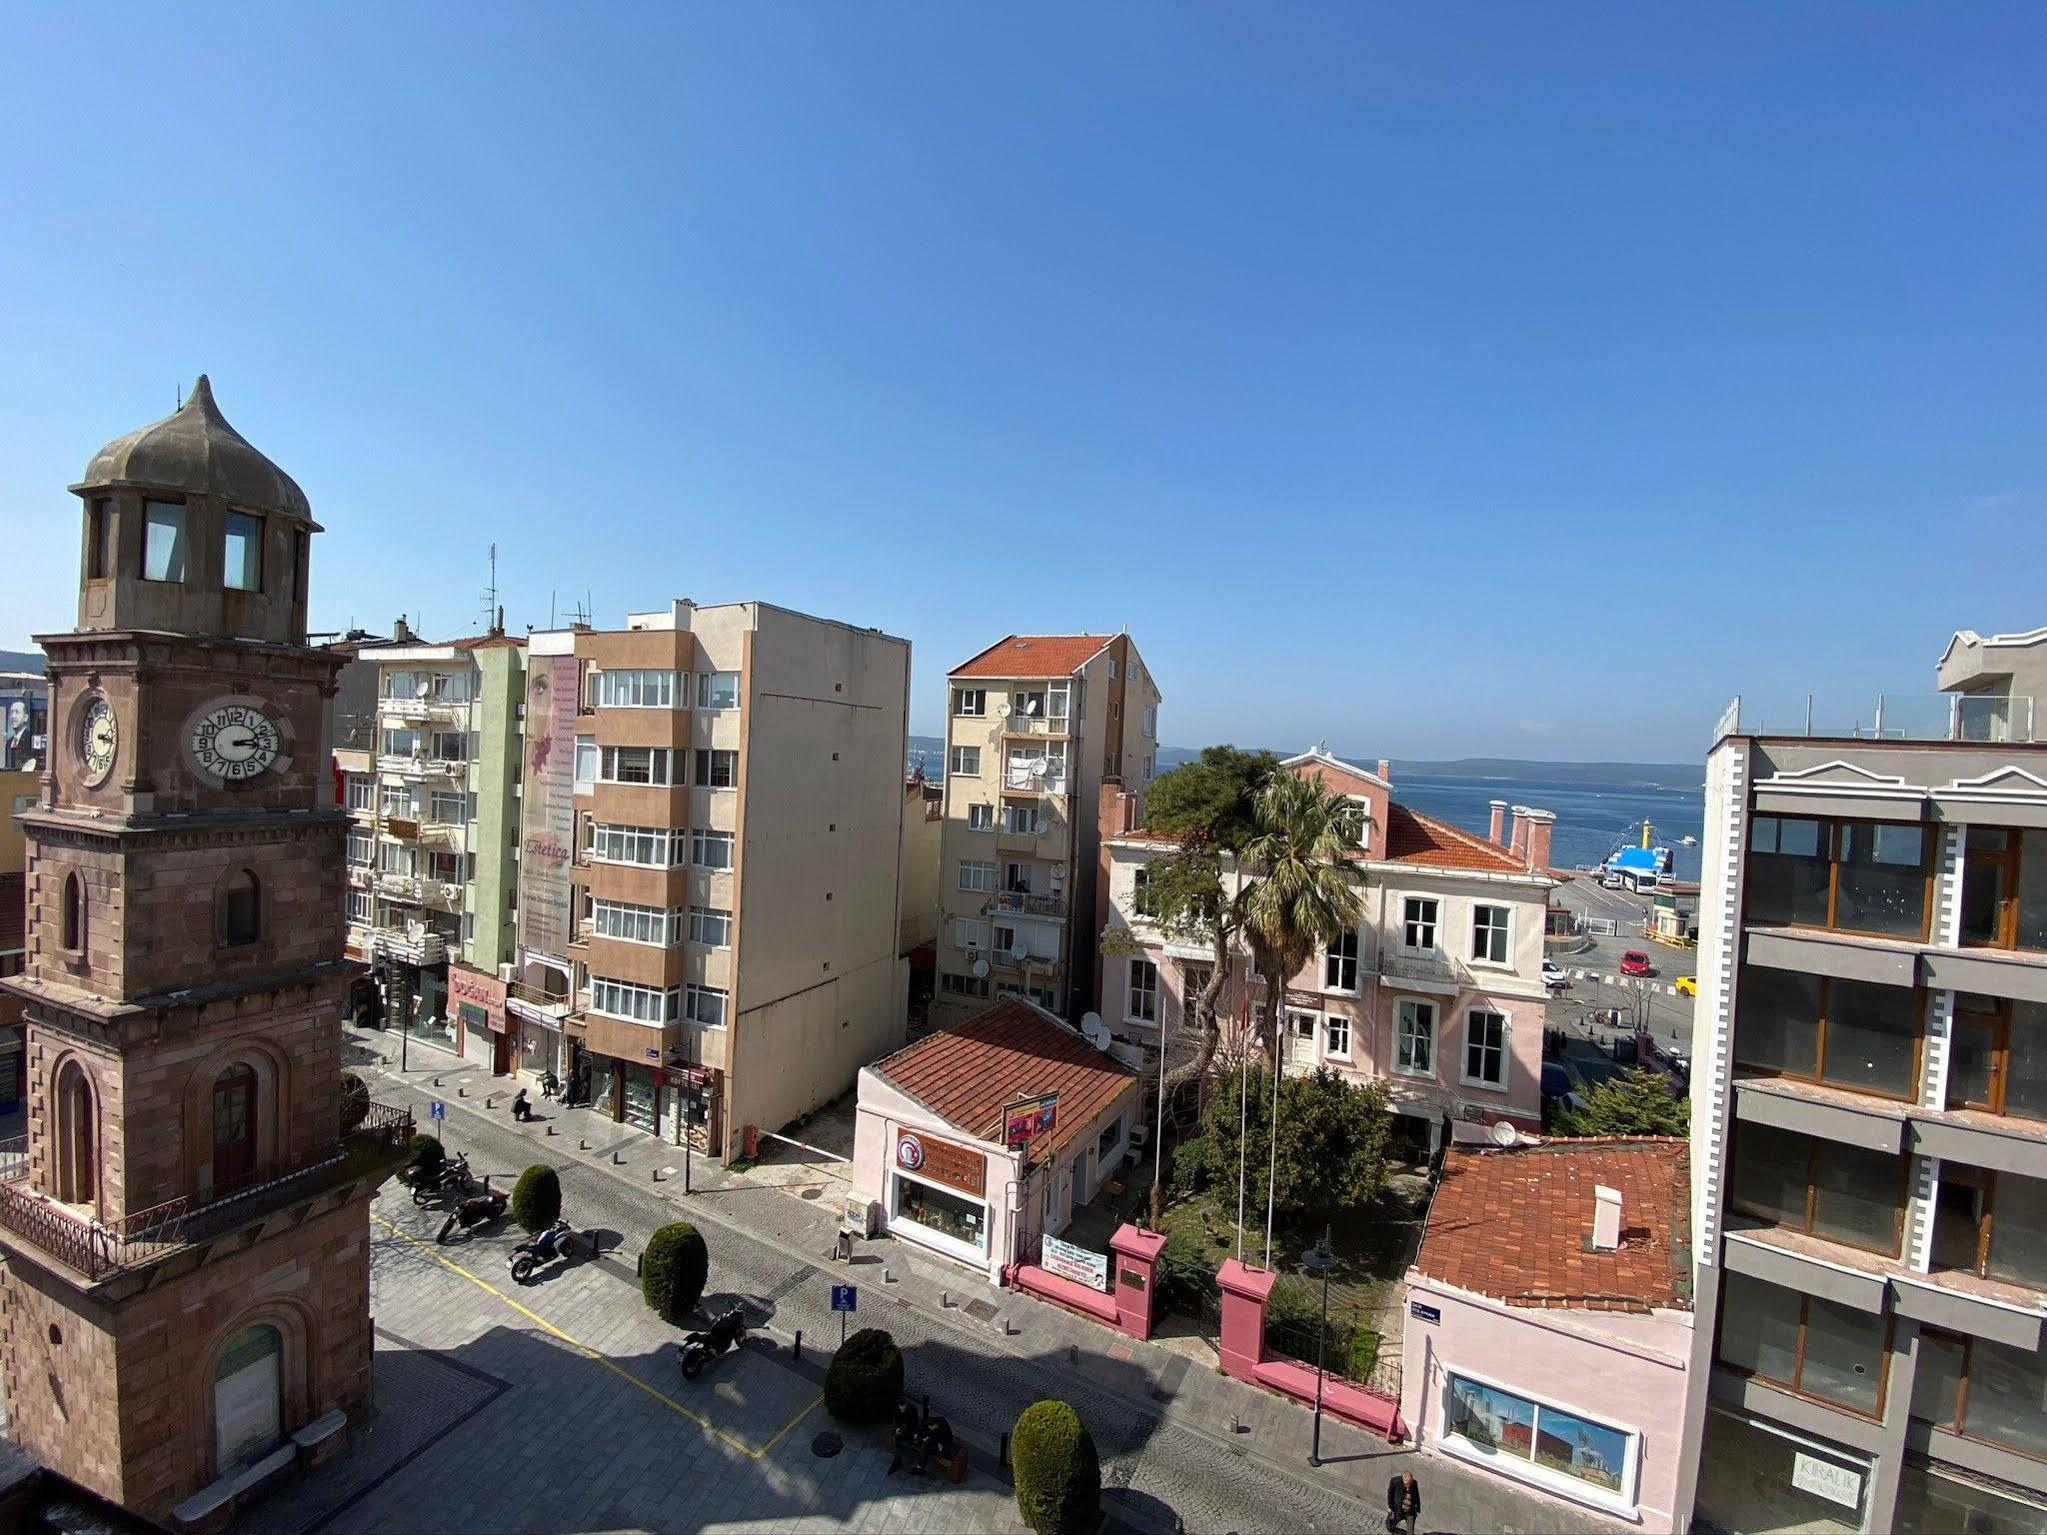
[420,766]
[1982,717]
[451,710]
[555,1004]
[1033,779]
[1036,725]
[415,943]
[398,887]
[1024,903]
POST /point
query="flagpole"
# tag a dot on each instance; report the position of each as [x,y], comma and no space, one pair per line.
[1272,1129]
[1243,1099]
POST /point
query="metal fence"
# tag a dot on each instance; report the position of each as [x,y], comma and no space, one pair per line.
[1349,1350]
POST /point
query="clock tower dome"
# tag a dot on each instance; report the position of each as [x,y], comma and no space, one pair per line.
[184,1307]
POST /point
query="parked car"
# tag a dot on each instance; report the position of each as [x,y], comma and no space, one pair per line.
[1635,962]
[1688,986]
[1553,976]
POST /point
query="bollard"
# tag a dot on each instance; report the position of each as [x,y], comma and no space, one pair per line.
[550,1129]
[490,1100]
[1007,1330]
[582,1143]
[888,1276]
[1073,1353]
[617,1160]
[945,1300]
[461,1092]
[1002,1453]
[1235,1426]
[437,1081]
[657,1175]
[796,1352]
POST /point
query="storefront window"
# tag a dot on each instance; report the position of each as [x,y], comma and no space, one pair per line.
[435,1027]
[640,1098]
[950,1215]
[1810,1345]
[1506,1427]
[1934,1501]
[1982,1390]
[1758,1479]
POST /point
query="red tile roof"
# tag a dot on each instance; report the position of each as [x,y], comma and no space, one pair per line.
[1034,655]
[1517,1224]
[488,642]
[965,1074]
[1412,837]
[13,912]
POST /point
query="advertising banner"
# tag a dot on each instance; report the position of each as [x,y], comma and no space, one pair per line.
[1029,1119]
[926,1156]
[477,997]
[1075,1263]
[547,818]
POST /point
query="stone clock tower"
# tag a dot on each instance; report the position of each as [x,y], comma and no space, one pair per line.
[184,1306]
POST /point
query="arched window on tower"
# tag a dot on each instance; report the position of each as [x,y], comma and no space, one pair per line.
[73,924]
[74,1157]
[248,1397]
[241,908]
[234,1127]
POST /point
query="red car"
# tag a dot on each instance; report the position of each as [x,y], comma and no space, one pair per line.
[1635,962]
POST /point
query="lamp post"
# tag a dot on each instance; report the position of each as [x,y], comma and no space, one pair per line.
[1320,1260]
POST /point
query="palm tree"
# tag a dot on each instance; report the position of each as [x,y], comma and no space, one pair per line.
[1302,894]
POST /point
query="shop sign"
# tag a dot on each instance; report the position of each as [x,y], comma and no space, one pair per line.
[1824,1479]
[1075,1263]
[943,1162]
[1025,1121]
[477,997]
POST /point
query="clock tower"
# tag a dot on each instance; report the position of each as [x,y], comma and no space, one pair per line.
[184,1307]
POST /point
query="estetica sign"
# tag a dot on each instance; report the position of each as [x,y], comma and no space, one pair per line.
[956,1167]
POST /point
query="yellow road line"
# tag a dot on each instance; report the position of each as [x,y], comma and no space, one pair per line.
[610,1364]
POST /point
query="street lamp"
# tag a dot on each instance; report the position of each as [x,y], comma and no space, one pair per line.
[1320,1260]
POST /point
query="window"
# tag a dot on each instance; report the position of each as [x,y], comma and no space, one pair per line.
[359,907]
[970,703]
[242,553]
[586,763]
[397,801]
[634,764]
[1489,934]
[74,913]
[1991,1223]
[2004,889]
[163,541]
[248,1411]
[1020,820]
[965,762]
[1854,1034]
[1538,1443]
[1140,893]
[301,550]
[711,926]
[706,1007]
[969,935]
[1827,1189]
[99,540]
[629,688]
[1415,1045]
[397,858]
[711,849]
[1984,1070]
[1850,876]
[359,787]
[963,985]
[717,769]
[1144,992]
[1340,964]
[240,908]
[630,923]
[1485,1048]
[448,746]
[1982,1390]
[977,874]
[1151,723]
[1336,1035]
[636,1004]
[448,809]
[359,849]
[718,690]
[648,847]
[1418,923]
[980,818]
[1810,1345]
[400,743]
[1109,1142]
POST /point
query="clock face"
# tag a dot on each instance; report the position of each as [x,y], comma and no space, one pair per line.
[233,742]
[98,739]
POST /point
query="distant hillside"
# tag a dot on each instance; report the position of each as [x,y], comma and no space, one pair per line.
[21,660]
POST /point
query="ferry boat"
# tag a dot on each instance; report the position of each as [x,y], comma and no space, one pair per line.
[1640,866]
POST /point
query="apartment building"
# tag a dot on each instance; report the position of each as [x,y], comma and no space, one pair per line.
[1034,724]
[1870,1110]
[738,808]
[432,845]
[1437,992]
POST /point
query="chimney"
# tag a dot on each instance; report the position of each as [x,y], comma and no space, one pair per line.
[1386,768]
[1519,846]
[1540,824]
[1606,1219]
[1498,835]
[401,632]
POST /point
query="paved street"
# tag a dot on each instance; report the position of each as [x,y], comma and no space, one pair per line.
[556,1407]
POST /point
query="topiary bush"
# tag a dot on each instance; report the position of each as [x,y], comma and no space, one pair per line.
[537,1197]
[355,1102]
[673,1270]
[1058,1473]
[865,1380]
[427,1154]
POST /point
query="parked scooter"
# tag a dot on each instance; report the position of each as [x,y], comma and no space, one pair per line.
[478,1210]
[452,1178]
[700,1348]
[557,1241]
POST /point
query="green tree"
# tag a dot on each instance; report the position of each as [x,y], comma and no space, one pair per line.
[1302,892]
[537,1197]
[1332,1141]
[673,1270]
[1058,1472]
[1639,1103]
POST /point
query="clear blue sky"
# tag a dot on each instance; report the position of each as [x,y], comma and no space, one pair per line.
[1517,380]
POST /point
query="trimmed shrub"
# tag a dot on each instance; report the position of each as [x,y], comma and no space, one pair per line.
[1058,1474]
[537,1197]
[355,1102]
[865,1380]
[427,1155]
[673,1270]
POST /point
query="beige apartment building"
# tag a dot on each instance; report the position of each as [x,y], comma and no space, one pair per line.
[738,808]
[1034,724]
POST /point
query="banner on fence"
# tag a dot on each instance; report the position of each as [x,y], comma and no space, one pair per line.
[1075,1263]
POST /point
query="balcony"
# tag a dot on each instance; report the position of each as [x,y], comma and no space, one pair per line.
[450,711]
[442,894]
[444,836]
[523,1000]
[1037,727]
[415,944]
[419,767]
[1012,838]
[1032,779]
[1024,903]
[1979,717]
[98,1249]
[1429,968]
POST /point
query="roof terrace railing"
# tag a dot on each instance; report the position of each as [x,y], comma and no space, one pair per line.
[1984,717]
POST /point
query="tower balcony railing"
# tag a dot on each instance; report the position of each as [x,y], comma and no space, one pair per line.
[97,1248]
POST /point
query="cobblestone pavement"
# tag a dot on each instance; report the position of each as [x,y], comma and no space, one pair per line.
[1163,1423]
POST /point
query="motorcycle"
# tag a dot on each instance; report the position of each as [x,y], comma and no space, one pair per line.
[453,1174]
[700,1348]
[557,1241]
[479,1210]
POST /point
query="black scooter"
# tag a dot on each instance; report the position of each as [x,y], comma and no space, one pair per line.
[477,1211]
[700,1348]
[557,1241]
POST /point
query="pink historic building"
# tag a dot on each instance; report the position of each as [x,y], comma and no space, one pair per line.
[1438,992]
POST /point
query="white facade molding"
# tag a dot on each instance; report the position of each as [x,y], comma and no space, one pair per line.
[1836,777]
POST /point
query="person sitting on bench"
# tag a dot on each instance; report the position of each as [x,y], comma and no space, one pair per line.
[909,1433]
[937,1440]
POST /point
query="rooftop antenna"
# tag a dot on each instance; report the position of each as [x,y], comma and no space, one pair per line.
[490,594]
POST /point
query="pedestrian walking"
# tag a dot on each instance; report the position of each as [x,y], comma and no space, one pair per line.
[1403,1503]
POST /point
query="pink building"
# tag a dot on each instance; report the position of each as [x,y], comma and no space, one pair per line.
[1549,1320]
[1438,992]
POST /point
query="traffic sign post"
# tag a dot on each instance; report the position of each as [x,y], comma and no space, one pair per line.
[437,1111]
[845,1301]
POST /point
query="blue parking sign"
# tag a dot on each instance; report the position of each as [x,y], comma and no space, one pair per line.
[845,1297]
[437,1110]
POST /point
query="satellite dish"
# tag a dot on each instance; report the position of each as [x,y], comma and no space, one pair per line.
[1032,705]
[1089,1022]
[1094,1031]
[1504,1134]
[1019,953]
[980,969]
[1058,871]
[1003,708]
[1037,767]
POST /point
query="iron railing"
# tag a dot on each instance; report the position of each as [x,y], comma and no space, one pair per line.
[1350,1351]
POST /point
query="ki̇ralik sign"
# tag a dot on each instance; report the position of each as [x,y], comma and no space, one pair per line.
[1075,1263]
